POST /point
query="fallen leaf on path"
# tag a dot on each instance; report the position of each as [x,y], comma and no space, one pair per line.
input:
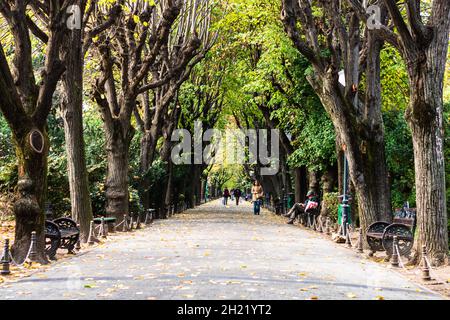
[24,292]
[351,295]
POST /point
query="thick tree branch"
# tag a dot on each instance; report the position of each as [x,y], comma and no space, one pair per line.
[10,103]
[407,41]
[288,17]
[422,33]
[41,35]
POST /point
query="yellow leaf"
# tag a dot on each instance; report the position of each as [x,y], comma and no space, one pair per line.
[314,298]
[351,295]
[379,298]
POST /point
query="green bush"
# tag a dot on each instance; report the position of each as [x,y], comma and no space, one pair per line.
[331,201]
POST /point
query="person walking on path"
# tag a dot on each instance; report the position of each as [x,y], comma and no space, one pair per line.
[257,195]
[237,195]
[226,195]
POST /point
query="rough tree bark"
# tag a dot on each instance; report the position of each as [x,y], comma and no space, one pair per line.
[424,48]
[313,181]
[72,113]
[32,192]
[116,187]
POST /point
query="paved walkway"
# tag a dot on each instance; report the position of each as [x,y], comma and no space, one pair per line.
[214,252]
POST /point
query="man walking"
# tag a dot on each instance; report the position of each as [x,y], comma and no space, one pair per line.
[237,195]
[226,195]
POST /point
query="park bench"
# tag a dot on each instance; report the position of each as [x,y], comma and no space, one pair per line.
[109,221]
[380,235]
[61,233]
[309,217]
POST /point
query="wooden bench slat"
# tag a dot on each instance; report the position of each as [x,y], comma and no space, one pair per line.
[68,233]
[99,220]
[375,235]
[405,221]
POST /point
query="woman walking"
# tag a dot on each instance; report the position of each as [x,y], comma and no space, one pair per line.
[257,195]
[226,195]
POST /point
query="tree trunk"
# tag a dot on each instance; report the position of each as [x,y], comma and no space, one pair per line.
[168,193]
[365,155]
[72,113]
[425,117]
[313,181]
[358,126]
[145,165]
[192,187]
[147,155]
[340,166]
[116,186]
[301,184]
[424,48]
[328,182]
[31,195]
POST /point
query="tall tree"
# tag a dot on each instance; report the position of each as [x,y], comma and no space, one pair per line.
[25,103]
[124,52]
[190,41]
[320,33]
[73,51]
[424,46]
[72,113]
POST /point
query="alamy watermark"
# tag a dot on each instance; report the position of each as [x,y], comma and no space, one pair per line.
[374,19]
[228,146]
[74,20]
